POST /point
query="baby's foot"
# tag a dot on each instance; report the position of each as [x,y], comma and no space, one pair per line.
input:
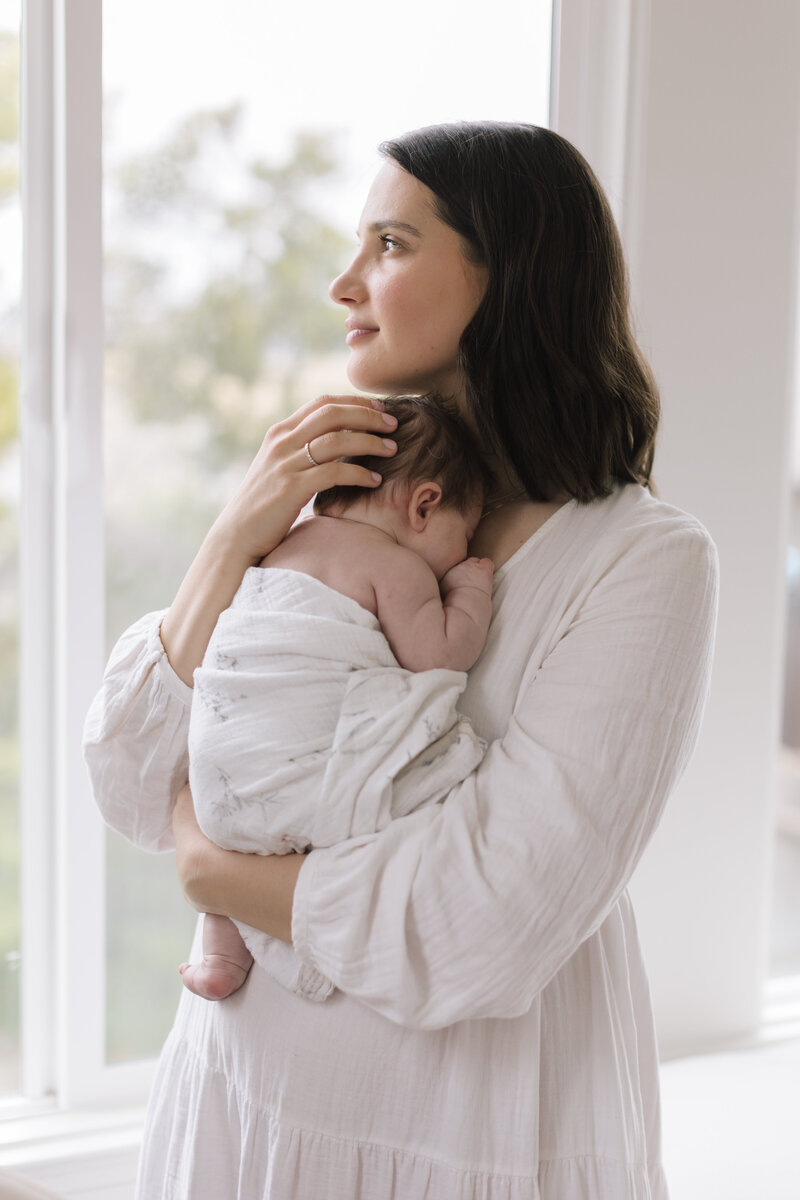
[216,976]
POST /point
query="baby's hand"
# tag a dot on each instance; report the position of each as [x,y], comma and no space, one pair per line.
[472,572]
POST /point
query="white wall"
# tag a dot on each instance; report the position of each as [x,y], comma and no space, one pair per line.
[703,172]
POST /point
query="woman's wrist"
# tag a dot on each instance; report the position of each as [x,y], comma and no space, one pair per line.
[257,889]
[207,590]
[254,888]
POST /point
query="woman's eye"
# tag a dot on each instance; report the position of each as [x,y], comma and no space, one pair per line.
[389,242]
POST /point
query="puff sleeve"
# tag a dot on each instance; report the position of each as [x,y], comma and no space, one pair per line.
[135,737]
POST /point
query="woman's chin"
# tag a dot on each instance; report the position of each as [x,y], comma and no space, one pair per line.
[375,383]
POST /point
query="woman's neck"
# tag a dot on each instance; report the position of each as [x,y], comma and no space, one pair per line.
[503,530]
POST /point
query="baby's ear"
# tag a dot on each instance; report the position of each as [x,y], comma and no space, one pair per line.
[425,499]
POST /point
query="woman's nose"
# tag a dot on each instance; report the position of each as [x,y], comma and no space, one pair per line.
[348,287]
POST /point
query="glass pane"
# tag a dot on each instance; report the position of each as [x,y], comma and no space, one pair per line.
[238,152]
[10,284]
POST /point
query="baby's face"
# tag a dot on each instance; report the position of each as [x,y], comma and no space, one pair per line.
[446,537]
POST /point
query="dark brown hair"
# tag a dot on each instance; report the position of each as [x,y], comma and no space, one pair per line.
[432,443]
[553,372]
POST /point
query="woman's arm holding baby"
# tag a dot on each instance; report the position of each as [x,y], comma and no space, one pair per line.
[135,740]
[255,888]
[279,483]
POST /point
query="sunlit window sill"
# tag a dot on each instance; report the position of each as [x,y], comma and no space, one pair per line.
[781,1012]
[77,1154]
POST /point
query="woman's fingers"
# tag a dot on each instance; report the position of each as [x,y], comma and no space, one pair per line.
[333,427]
[328,411]
[341,474]
[334,417]
[346,443]
[299,457]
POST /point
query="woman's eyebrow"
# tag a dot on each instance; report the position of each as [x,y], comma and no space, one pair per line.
[377,226]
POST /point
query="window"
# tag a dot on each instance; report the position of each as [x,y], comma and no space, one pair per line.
[231,185]
[10,289]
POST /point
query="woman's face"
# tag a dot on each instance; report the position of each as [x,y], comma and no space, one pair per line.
[409,292]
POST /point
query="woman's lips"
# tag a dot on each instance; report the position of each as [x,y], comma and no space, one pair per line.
[356,334]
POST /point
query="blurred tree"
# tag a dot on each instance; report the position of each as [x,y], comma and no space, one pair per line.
[215,285]
[9,116]
[215,281]
[220,294]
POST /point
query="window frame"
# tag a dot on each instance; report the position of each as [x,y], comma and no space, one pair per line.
[62,564]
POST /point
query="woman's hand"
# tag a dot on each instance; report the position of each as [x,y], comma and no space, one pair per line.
[280,482]
[283,478]
[254,888]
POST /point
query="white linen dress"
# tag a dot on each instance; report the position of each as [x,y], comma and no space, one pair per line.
[492,1036]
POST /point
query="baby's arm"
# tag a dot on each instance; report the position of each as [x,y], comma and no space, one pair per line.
[426,627]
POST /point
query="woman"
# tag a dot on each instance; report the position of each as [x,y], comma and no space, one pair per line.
[492,1035]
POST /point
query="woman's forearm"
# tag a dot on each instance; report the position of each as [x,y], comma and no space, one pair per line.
[254,888]
[257,889]
[207,590]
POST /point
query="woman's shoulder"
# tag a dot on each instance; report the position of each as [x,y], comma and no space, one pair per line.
[629,530]
[633,514]
[634,528]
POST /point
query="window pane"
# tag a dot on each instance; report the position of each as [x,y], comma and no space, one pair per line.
[238,152]
[10,282]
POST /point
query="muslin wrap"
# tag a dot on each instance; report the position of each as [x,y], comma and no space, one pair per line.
[305,731]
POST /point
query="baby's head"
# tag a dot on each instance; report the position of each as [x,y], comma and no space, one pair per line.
[436,481]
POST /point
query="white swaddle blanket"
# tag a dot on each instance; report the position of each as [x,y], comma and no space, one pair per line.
[305,731]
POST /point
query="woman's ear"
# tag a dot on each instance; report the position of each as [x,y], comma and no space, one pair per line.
[423,502]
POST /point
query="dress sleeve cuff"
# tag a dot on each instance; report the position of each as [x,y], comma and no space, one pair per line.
[301,905]
[165,674]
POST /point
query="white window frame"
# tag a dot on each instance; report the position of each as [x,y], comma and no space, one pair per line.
[62,567]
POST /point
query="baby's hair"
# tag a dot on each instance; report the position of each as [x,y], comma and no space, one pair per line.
[432,443]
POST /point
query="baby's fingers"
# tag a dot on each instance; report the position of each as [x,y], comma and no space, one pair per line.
[479,564]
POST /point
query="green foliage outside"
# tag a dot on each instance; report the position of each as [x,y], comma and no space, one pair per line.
[9,116]
[198,364]
[258,313]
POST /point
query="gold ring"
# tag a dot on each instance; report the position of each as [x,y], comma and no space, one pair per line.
[310,456]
